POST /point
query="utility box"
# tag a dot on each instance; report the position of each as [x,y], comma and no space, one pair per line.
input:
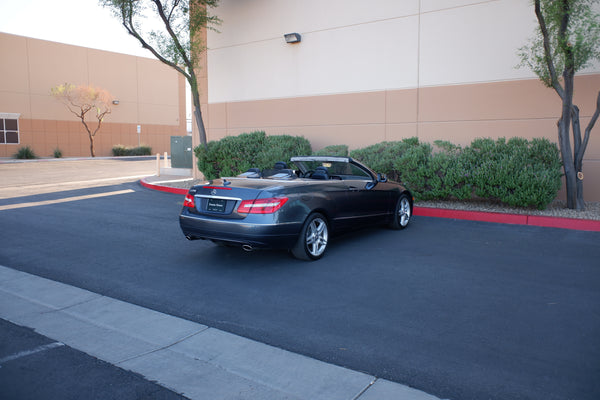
[181,152]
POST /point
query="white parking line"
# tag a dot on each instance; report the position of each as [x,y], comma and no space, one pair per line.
[26,353]
[65,200]
[88,181]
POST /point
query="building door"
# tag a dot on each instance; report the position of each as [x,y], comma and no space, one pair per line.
[181,152]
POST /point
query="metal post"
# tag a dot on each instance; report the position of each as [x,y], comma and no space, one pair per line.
[166,162]
[157,164]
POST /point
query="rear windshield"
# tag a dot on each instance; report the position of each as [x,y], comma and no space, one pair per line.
[344,170]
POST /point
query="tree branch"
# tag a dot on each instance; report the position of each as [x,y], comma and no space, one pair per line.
[548,50]
[588,130]
[576,134]
[169,28]
[129,26]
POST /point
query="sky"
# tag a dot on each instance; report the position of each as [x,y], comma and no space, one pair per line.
[78,22]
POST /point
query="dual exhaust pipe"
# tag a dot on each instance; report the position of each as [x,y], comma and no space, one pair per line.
[245,247]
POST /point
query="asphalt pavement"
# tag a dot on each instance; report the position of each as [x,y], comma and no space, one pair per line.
[96,266]
[33,366]
[61,341]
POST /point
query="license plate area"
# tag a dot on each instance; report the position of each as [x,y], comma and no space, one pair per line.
[216,205]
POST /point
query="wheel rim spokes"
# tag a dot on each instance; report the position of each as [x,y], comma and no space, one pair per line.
[404,212]
[316,237]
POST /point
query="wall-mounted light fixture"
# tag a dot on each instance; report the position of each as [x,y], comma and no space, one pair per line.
[292,37]
[115,102]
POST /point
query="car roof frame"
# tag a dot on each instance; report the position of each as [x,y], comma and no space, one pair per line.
[349,160]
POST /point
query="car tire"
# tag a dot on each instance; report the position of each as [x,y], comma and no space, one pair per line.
[402,213]
[313,239]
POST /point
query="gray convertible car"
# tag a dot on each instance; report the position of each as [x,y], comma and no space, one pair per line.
[296,209]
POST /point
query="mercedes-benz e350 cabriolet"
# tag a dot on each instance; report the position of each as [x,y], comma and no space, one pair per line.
[296,209]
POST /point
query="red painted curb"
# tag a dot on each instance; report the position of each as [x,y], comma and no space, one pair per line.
[566,223]
[471,215]
[515,219]
[167,189]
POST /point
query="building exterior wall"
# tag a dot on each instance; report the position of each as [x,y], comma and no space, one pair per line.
[150,94]
[434,69]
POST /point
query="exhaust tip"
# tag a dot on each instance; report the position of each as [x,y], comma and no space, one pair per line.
[247,247]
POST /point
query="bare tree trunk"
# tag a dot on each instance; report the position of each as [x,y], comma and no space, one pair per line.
[198,117]
[564,140]
[92,152]
[89,132]
[568,167]
[193,81]
[580,147]
[578,156]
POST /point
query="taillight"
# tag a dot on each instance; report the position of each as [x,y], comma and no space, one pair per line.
[189,201]
[262,206]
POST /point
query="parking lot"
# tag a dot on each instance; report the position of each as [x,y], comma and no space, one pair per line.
[457,309]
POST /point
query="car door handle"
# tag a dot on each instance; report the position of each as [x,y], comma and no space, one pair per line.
[352,188]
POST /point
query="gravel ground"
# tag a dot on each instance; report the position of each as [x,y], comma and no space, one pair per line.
[557,208]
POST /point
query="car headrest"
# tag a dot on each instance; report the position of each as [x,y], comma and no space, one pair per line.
[251,173]
[320,174]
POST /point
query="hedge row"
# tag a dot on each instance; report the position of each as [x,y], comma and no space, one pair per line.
[233,155]
[516,172]
[120,150]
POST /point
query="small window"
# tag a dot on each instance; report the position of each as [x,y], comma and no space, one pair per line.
[9,128]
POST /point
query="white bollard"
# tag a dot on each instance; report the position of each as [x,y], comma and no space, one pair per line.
[157,164]
[166,162]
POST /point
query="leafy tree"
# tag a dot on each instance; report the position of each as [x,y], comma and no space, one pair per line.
[83,101]
[567,40]
[178,42]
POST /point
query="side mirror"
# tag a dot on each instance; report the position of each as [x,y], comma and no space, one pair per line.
[381,178]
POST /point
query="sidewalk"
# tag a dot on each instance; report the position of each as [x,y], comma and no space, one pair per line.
[191,359]
[33,366]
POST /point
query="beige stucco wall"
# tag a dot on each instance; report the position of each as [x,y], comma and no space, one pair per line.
[456,113]
[434,69]
[150,94]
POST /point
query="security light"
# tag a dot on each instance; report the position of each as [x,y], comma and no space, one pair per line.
[292,37]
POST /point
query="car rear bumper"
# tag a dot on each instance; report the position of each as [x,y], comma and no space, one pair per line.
[251,231]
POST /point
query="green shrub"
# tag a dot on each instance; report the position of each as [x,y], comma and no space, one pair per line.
[401,161]
[516,172]
[338,150]
[57,153]
[120,150]
[25,153]
[233,155]
[141,151]
[281,148]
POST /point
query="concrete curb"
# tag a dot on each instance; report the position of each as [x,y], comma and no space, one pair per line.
[514,219]
[188,358]
[156,186]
